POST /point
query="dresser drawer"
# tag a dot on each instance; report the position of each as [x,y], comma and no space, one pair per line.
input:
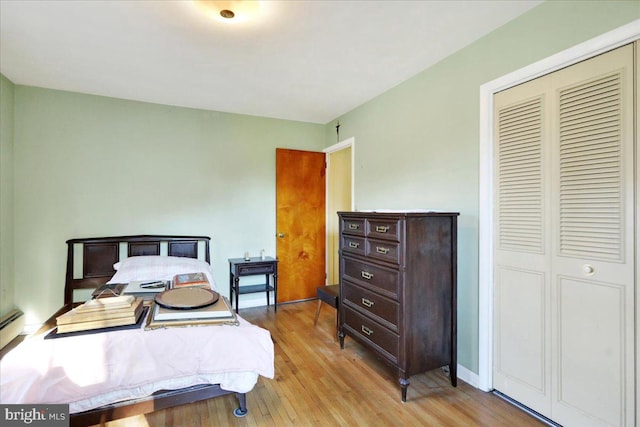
[387,229]
[353,226]
[383,250]
[250,270]
[371,303]
[371,276]
[372,332]
[353,244]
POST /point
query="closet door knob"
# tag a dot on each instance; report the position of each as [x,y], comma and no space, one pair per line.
[588,269]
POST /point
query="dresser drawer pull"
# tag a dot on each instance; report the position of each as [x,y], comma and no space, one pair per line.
[382,228]
[382,250]
[367,303]
[354,245]
[366,275]
[353,226]
[366,330]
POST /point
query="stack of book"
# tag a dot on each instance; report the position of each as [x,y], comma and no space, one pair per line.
[101,313]
[219,313]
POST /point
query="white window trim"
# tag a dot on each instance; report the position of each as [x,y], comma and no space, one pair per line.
[603,43]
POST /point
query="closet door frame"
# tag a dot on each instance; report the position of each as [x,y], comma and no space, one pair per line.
[603,43]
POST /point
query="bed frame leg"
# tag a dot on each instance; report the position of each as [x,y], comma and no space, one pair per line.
[241,411]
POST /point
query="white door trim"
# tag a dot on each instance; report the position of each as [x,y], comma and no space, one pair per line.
[605,42]
[349,142]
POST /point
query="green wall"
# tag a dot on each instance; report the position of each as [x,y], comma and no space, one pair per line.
[6,195]
[77,165]
[417,145]
[95,166]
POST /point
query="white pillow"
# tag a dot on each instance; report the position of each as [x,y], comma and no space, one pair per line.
[158,268]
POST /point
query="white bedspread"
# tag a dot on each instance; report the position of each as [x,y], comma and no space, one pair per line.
[89,371]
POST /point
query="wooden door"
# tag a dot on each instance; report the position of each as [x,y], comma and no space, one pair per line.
[564,253]
[300,223]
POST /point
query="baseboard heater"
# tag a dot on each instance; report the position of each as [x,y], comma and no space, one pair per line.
[11,325]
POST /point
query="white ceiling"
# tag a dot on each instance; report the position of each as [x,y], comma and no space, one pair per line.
[299,60]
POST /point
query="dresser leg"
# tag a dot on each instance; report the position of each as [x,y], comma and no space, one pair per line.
[341,336]
[404,384]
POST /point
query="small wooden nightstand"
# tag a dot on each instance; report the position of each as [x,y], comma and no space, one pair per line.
[240,267]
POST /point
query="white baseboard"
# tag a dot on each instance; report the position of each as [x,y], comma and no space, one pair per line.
[258,299]
[253,303]
[468,376]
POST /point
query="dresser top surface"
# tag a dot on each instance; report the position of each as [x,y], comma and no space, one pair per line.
[396,213]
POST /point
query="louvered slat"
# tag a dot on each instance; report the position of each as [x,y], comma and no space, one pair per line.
[590,169]
[520,216]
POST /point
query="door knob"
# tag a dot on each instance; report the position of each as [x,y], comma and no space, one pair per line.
[281,235]
[588,269]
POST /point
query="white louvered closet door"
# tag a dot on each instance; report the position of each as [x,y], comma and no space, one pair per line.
[593,247]
[522,335]
[564,251]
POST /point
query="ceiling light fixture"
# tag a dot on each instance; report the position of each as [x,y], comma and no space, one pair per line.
[226,13]
[230,10]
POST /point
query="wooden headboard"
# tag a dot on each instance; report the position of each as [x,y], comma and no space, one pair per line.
[98,254]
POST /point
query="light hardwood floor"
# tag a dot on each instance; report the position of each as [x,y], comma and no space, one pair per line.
[317,384]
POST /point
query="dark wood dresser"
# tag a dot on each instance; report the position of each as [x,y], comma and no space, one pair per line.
[398,288]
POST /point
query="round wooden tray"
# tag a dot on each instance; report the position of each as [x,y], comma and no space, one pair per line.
[187,298]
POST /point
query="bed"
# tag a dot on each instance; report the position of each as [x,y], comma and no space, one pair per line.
[116,374]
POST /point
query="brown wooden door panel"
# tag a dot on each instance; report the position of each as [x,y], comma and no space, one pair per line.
[300,223]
